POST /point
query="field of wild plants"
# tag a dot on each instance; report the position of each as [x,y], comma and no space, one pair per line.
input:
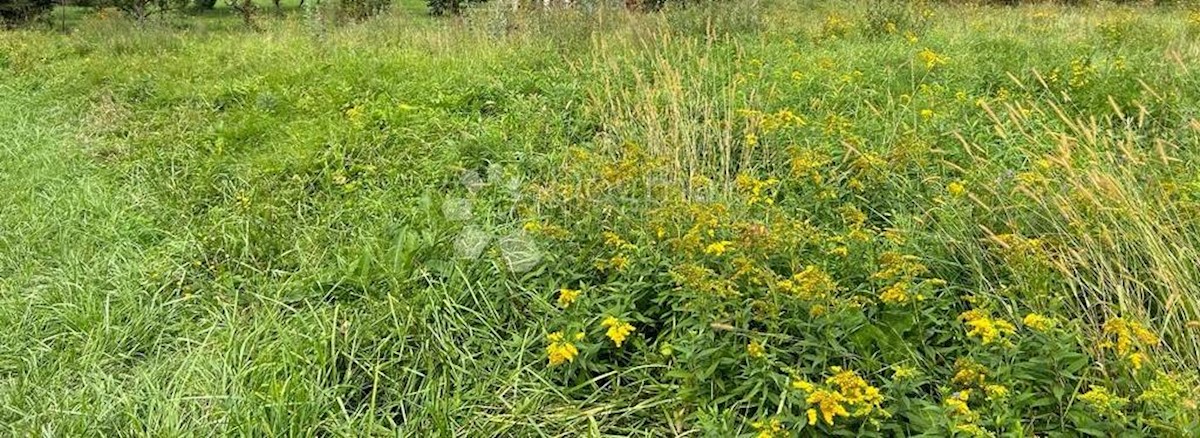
[772,218]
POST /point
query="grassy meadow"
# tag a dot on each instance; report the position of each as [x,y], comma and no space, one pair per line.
[752,218]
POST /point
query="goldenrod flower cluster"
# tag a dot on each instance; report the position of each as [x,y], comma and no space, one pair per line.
[957,403]
[843,391]
[1129,340]
[901,372]
[567,296]
[561,350]
[956,188]
[809,164]
[995,392]
[618,330]
[772,428]
[810,284]
[1103,401]
[755,349]
[968,373]
[988,329]
[931,59]
[1038,322]
[718,248]
[901,272]
[756,190]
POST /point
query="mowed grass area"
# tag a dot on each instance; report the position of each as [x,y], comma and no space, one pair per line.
[747,218]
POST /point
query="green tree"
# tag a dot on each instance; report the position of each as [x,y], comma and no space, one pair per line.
[445,7]
[14,12]
[143,9]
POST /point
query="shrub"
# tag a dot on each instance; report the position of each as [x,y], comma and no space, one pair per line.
[361,9]
[140,10]
[246,10]
[645,5]
[887,17]
[14,12]
[445,7]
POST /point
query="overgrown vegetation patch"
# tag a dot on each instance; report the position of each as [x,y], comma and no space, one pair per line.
[762,219]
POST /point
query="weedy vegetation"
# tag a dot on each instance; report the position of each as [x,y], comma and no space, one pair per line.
[745,218]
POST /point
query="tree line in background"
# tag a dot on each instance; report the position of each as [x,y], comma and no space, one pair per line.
[455,7]
[18,12]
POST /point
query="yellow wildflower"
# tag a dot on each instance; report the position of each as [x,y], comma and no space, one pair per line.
[618,330]
[901,372]
[1081,73]
[803,385]
[1127,338]
[830,403]
[895,294]
[996,392]
[567,296]
[859,234]
[1136,360]
[717,248]
[968,373]
[957,402]
[842,392]
[755,349]
[1144,335]
[754,188]
[619,262]
[1038,322]
[560,350]
[616,241]
[835,27]
[855,390]
[931,59]
[811,283]
[807,163]
[894,236]
[973,429]
[852,215]
[1166,390]
[1103,401]
[894,265]
[988,329]
[769,429]
[956,189]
